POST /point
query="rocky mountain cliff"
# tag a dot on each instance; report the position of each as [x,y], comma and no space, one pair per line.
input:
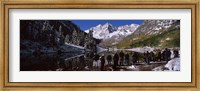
[52,35]
[154,33]
[150,27]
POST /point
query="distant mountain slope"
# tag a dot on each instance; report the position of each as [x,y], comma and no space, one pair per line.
[154,33]
[155,26]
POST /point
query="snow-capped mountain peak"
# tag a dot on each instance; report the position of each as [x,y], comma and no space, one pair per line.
[99,25]
[107,25]
[107,30]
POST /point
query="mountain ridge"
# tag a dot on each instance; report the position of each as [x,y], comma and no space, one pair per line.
[107,30]
[154,33]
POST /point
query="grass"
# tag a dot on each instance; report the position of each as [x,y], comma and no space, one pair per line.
[154,40]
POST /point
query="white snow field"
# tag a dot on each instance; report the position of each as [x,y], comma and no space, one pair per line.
[172,65]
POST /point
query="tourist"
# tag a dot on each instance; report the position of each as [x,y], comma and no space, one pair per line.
[134,58]
[121,54]
[96,57]
[158,57]
[96,62]
[127,59]
[176,53]
[109,59]
[102,62]
[95,65]
[115,59]
[147,58]
[144,56]
[152,56]
[165,55]
[168,54]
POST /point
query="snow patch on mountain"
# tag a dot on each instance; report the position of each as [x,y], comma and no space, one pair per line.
[150,27]
[107,31]
[172,65]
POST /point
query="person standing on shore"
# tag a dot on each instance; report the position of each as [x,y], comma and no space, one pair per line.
[158,54]
[121,54]
[176,53]
[152,56]
[95,62]
[165,55]
[147,58]
[134,57]
[109,59]
[126,59]
[102,62]
[168,54]
[115,58]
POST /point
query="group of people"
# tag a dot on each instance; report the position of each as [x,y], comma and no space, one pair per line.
[121,58]
[164,55]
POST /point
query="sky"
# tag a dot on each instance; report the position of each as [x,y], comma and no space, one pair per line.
[86,24]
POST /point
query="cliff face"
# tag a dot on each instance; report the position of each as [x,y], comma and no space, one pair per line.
[52,35]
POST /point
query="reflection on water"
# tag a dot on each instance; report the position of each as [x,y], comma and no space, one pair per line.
[55,62]
[48,62]
[63,62]
[84,62]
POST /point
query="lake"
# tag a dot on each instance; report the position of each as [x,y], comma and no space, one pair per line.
[79,62]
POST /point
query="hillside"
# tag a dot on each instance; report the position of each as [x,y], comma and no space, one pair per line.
[154,33]
[52,35]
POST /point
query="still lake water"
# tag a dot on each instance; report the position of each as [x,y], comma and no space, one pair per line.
[55,62]
[73,62]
